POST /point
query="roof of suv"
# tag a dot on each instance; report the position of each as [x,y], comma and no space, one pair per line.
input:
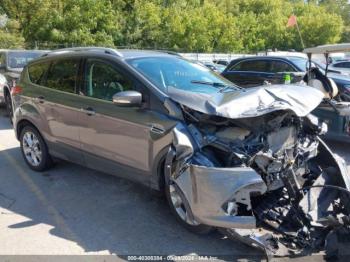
[123,53]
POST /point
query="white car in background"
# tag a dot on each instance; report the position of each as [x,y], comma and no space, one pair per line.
[2,84]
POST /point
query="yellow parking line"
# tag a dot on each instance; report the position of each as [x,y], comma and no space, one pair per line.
[61,224]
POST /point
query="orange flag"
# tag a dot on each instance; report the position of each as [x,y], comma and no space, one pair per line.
[292,21]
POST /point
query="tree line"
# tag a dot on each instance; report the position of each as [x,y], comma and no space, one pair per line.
[179,25]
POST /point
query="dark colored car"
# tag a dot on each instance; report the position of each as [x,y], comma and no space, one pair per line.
[11,66]
[225,157]
[255,71]
[341,64]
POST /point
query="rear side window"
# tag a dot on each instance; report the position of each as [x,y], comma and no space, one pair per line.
[37,72]
[252,65]
[63,75]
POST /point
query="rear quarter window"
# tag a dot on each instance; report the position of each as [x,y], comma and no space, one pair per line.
[37,71]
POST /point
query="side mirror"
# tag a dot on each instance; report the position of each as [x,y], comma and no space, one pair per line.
[127,98]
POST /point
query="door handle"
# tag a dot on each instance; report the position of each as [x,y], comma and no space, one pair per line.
[88,110]
[156,129]
[40,99]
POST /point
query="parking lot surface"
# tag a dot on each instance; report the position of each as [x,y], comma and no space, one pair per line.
[71,210]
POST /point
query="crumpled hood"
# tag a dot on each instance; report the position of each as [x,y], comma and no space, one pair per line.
[251,102]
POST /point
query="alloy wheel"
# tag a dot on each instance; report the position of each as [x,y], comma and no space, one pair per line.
[180,207]
[31,149]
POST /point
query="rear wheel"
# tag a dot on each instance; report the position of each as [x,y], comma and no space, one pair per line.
[34,149]
[181,209]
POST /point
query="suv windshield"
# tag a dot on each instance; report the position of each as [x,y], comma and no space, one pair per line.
[20,59]
[175,72]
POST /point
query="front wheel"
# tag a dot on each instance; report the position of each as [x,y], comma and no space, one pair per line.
[180,208]
[34,149]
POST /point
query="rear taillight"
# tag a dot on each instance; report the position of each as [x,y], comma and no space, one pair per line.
[16,90]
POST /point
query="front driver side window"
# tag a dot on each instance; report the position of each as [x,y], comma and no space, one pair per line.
[102,80]
[280,66]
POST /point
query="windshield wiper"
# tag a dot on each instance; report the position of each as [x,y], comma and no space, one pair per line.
[223,87]
[215,84]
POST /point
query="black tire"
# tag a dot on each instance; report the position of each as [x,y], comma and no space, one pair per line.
[46,160]
[198,228]
[8,103]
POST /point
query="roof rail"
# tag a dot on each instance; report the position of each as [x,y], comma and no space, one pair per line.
[106,50]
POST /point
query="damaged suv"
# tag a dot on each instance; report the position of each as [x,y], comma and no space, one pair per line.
[249,162]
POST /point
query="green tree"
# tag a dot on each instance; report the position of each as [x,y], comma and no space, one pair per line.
[10,36]
[189,25]
[342,8]
[317,25]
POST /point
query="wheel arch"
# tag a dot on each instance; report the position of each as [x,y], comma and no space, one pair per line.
[21,124]
[158,181]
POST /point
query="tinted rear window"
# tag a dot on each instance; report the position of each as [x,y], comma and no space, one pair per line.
[37,71]
[252,65]
[62,75]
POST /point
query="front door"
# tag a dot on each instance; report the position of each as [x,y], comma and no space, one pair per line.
[116,139]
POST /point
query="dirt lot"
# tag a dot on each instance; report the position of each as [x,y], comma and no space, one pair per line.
[71,210]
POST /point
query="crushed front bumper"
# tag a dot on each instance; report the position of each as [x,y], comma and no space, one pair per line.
[212,194]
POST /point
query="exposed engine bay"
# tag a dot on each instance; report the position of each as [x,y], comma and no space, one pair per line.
[268,181]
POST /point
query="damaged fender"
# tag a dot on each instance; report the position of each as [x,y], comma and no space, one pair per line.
[212,193]
[280,218]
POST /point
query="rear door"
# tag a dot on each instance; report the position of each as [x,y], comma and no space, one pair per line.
[54,93]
